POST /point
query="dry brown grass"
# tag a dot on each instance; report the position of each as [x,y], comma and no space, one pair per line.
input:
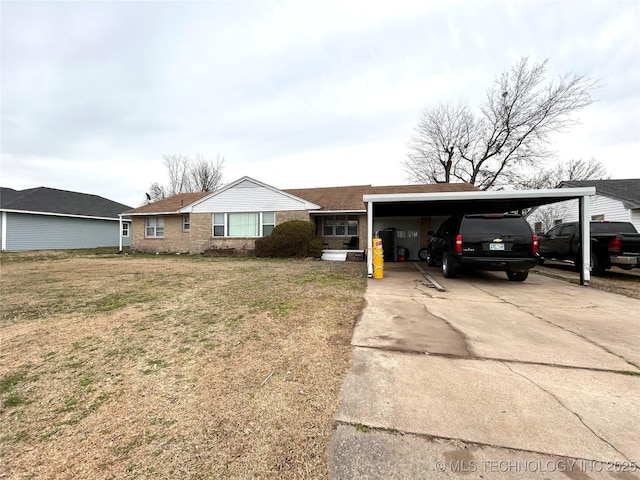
[151,367]
[615,280]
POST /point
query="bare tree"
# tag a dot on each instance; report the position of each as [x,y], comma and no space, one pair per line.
[434,154]
[510,133]
[545,216]
[156,192]
[188,175]
[579,169]
[206,175]
[178,167]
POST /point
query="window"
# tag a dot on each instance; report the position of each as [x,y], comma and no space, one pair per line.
[268,223]
[186,223]
[554,231]
[566,231]
[155,227]
[219,224]
[242,224]
[340,225]
[597,218]
[252,224]
[125,229]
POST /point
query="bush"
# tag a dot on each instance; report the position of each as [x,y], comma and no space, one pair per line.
[295,238]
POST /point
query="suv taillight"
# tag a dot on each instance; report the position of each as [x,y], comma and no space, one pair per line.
[615,245]
[535,243]
[458,247]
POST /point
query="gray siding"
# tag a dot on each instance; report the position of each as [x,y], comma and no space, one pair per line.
[43,232]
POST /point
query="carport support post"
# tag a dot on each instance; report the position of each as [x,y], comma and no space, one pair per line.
[585,244]
[369,239]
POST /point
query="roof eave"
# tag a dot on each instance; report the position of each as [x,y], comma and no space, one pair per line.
[489,195]
[342,212]
[147,214]
[58,214]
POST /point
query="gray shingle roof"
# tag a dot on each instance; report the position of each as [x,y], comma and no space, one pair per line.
[51,200]
[169,204]
[625,190]
[350,198]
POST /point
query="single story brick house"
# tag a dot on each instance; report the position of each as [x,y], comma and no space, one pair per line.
[233,216]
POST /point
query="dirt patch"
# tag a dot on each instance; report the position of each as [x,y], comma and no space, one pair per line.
[615,280]
[172,367]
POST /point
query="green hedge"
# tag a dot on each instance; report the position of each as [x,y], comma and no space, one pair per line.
[294,239]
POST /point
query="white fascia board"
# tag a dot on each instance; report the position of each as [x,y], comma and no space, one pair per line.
[307,204]
[151,214]
[567,193]
[53,214]
[341,212]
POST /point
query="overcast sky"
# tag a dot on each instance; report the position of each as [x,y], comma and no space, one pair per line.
[301,94]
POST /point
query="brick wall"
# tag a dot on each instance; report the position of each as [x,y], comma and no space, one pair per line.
[426,224]
[201,232]
[200,237]
[282,217]
[174,240]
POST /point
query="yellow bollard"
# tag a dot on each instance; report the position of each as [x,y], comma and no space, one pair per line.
[378,258]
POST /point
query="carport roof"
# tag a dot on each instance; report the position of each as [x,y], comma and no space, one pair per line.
[455,203]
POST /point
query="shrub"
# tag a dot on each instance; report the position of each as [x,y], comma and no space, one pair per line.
[295,238]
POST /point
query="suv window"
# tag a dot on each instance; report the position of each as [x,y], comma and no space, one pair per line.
[554,231]
[496,225]
[448,227]
[567,230]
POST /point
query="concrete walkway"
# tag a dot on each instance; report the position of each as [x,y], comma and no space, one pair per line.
[490,379]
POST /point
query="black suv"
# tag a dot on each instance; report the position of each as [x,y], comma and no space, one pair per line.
[498,242]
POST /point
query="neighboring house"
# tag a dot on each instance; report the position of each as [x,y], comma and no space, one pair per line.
[615,200]
[50,219]
[235,215]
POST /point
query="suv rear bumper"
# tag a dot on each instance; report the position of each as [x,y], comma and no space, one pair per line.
[624,260]
[496,263]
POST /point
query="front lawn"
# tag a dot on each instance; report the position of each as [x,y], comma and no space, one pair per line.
[171,366]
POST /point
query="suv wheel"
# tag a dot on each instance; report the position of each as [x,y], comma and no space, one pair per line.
[517,276]
[448,270]
[430,260]
[422,255]
[596,265]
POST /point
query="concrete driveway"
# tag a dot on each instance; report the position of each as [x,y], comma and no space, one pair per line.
[490,379]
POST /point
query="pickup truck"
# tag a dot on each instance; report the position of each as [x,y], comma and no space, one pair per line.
[613,244]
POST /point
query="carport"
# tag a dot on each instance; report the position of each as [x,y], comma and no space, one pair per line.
[456,203]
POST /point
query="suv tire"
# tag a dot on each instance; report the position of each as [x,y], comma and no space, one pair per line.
[430,260]
[596,266]
[517,276]
[448,270]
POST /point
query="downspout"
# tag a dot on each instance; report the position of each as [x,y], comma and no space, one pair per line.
[4,231]
[369,239]
[120,236]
